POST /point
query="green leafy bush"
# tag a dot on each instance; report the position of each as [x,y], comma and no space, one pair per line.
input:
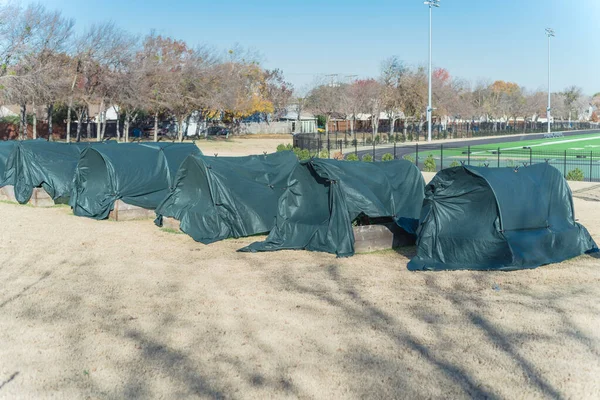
[575,175]
[429,164]
[410,158]
[301,154]
[377,139]
[367,158]
[324,154]
[284,147]
[454,164]
[351,157]
[387,157]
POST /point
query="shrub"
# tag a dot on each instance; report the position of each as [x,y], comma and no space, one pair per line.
[454,164]
[324,154]
[351,157]
[429,164]
[377,139]
[301,154]
[369,140]
[354,142]
[284,147]
[575,175]
[410,158]
[387,157]
[338,155]
[367,158]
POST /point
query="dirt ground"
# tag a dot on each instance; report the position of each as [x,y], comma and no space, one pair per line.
[102,310]
[243,145]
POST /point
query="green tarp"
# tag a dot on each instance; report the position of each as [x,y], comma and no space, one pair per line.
[6,148]
[498,219]
[324,197]
[140,174]
[215,198]
[39,163]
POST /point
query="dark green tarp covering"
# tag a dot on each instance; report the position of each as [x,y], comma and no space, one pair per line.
[39,163]
[323,198]
[498,219]
[215,198]
[140,174]
[6,148]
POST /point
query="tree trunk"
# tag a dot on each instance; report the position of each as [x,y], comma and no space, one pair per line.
[126,127]
[79,122]
[118,126]
[392,121]
[180,133]
[50,127]
[23,123]
[99,123]
[103,125]
[89,126]
[156,126]
[69,107]
[34,125]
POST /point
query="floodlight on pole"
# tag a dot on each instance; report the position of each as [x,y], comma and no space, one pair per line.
[549,33]
[431,4]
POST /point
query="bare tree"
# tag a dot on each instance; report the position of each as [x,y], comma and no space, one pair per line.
[325,100]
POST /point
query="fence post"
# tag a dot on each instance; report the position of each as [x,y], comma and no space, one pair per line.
[441,157]
[394,149]
[469,155]
[356,146]
[328,148]
[530,156]
[565,165]
[591,155]
[498,157]
[417,156]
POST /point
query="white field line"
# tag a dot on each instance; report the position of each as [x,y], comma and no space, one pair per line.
[542,144]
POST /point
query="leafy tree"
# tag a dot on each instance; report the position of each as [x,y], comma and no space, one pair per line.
[387,157]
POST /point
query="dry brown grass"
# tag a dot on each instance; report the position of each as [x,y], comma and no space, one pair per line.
[243,145]
[98,309]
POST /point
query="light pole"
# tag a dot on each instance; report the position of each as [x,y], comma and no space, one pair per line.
[431,4]
[549,33]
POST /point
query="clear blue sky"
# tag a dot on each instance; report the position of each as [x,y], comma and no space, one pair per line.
[473,39]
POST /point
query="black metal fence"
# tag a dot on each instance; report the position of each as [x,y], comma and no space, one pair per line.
[414,130]
[575,164]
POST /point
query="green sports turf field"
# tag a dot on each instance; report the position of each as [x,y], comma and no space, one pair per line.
[565,153]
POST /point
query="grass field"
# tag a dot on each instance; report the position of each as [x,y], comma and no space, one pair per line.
[566,154]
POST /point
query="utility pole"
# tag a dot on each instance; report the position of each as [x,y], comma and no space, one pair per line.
[431,4]
[549,33]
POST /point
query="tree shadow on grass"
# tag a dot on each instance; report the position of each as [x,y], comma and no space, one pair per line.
[468,305]
[13,376]
[366,315]
[25,290]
